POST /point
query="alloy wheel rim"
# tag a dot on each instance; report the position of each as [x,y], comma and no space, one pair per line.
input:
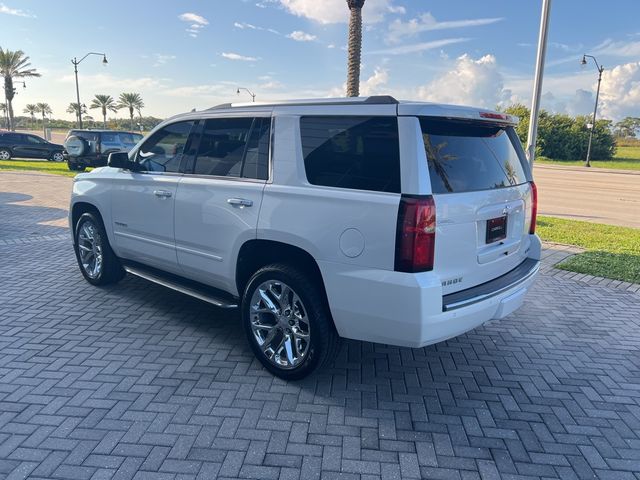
[90,249]
[4,155]
[58,157]
[280,324]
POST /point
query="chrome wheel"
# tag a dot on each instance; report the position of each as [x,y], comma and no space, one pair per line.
[280,324]
[90,249]
[5,155]
[58,157]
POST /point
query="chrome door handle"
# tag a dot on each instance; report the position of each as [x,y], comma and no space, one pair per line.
[162,193]
[240,202]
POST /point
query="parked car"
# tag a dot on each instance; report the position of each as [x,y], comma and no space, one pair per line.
[91,148]
[403,223]
[27,145]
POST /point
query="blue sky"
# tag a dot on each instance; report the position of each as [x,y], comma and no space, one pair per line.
[193,54]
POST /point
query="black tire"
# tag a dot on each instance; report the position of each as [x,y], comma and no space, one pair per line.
[74,167]
[111,270]
[5,154]
[323,338]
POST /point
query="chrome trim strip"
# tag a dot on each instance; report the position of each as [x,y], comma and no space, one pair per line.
[144,239]
[179,288]
[199,252]
[470,301]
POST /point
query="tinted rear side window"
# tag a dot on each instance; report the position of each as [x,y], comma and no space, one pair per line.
[465,156]
[89,136]
[352,152]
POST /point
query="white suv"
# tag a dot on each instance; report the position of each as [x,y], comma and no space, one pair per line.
[403,223]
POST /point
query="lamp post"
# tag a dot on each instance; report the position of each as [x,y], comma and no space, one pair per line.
[253,95]
[600,68]
[75,63]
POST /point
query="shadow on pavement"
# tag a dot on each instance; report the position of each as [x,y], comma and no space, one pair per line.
[20,220]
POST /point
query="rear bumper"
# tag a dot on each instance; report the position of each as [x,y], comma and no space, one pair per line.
[409,310]
[90,161]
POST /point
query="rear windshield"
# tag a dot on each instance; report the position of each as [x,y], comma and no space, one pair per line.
[89,136]
[465,156]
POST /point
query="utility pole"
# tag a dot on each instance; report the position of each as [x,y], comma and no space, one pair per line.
[600,68]
[537,83]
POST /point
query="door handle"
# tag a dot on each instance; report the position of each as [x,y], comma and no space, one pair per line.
[162,193]
[240,202]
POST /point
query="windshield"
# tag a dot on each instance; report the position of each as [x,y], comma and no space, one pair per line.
[467,156]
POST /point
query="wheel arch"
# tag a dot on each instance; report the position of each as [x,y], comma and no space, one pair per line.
[257,253]
[80,208]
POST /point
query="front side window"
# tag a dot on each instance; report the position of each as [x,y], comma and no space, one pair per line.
[162,152]
[34,140]
[360,153]
[467,156]
[234,147]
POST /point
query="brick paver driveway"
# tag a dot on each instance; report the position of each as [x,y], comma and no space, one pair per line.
[135,381]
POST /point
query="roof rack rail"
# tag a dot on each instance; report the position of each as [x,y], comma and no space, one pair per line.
[372,100]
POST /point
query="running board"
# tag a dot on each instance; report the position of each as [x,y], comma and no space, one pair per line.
[193,289]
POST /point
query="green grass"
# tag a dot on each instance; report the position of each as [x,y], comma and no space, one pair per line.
[626,158]
[57,168]
[612,252]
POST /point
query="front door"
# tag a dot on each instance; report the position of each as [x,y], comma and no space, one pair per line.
[219,198]
[143,201]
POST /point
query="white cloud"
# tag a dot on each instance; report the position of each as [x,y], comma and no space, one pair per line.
[418,47]
[237,56]
[618,49]
[108,82]
[427,22]
[14,11]
[336,11]
[300,36]
[470,82]
[161,59]
[197,22]
[193,18]
[249,26]
[620,91]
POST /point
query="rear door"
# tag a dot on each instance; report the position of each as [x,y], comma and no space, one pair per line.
[219,197]
[480,184]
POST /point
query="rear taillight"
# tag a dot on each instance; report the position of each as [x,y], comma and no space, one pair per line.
[416,234]
[534,208]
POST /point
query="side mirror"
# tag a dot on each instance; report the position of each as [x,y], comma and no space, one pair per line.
[120,160]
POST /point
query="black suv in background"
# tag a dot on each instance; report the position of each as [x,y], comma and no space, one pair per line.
[91,148]
[26,145]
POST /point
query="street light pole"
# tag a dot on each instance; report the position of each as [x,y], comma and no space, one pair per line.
[253,95]
[537,83]
[600,68]
[75,63]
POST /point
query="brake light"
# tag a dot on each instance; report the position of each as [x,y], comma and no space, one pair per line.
[534,207]
[494,116]
[415,234]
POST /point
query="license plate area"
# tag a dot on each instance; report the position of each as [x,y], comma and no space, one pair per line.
[496,229]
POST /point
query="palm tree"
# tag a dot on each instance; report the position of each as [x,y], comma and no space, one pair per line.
[3,109]
[31,109]
[13,65]
[44,109]
[77,110]
[104,102]
[132,101]
[355,47]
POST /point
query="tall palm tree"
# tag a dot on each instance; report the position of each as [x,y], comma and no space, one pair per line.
[14,64]
[31,109]
[132,101]
[3,109]
[104,102]
[44,109]
[77,109]
[355,47]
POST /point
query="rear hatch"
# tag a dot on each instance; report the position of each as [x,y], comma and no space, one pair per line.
[480,184]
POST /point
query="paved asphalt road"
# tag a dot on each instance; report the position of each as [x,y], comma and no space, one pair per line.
[591,194]
[135,381]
